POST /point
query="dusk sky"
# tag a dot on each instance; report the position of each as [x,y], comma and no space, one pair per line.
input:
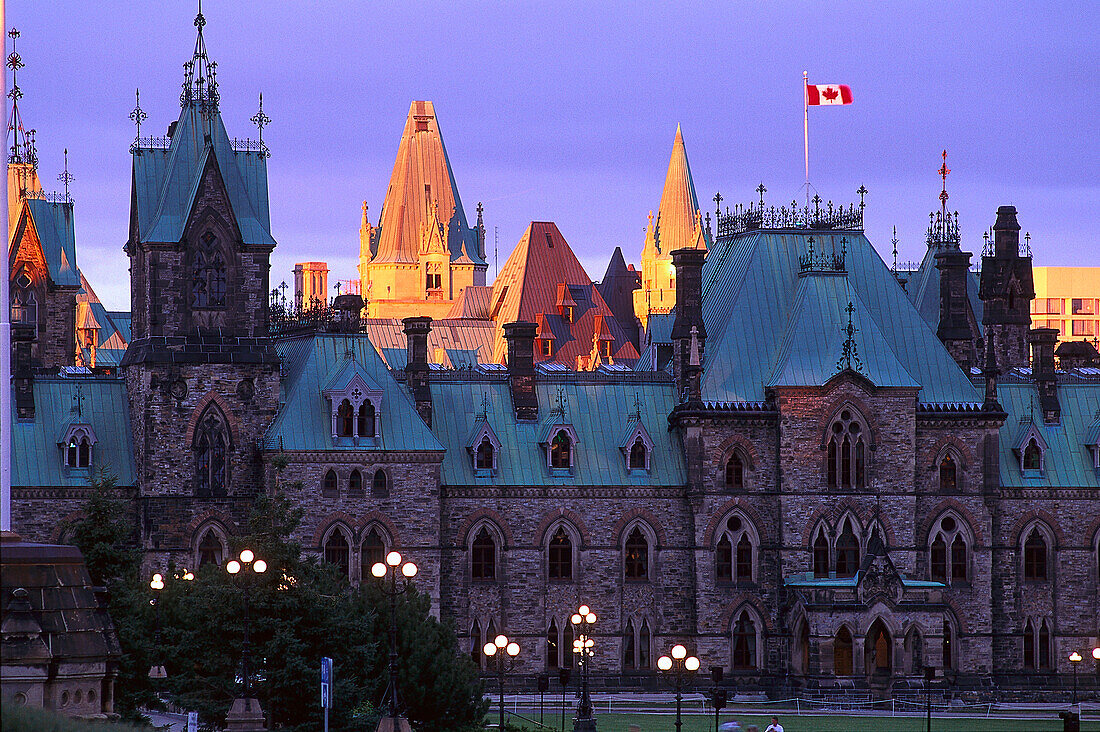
[566,112]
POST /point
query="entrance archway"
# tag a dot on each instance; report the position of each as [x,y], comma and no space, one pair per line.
[878,650]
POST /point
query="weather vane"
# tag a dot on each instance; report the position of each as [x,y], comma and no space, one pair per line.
[944,171]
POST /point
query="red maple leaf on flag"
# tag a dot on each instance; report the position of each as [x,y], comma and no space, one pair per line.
[830,93]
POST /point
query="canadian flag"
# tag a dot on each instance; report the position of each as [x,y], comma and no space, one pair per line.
[817,94]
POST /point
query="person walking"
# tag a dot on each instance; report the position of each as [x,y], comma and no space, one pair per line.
[775,726]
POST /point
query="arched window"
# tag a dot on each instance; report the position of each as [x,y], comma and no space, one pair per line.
[484,456]
[948,646]
[373,551]
[560,555]
[561,451]
[211,549]
[208,273]
[744,642]
[1035,556]
[345,419]
[842,652]
[25,309]
[629,647]
[330,486]
[78,453]
[735,472]
[355,483]
[380,484]
[338,552]
[1029,645]
[636,556]
[879,649]
[1033,455]
[948,474]
[802,650]
[949,552]
[914,651]
[475,642]
[567,646]
[847,551]
[366,419]
[211,455]
[483,556]
[552,659]
[638,455]
[1044,646]
[644,644]
[735,552]
[846,459]
[821,554]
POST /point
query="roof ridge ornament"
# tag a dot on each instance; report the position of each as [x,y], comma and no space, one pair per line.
[137,114]
[200,84]
[261,120]
[66,177]
[849,358]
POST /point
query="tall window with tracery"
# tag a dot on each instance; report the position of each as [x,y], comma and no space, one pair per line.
[735,472]
[1035,556]
[821,553]
[372,551]
[735,551]
[211,455]
[208,273]
[560,555]
[483,556]
[338,552]
[366,419]
[211,550]
[846,461]
[948,554]
[847,551]
[949,478]
[636,556]
[744,642]
[561,451]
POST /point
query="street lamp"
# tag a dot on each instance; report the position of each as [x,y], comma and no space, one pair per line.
[583,645]
[502,652]
[156,584]
[680,664]
[241,713]
[1075,661]
[382,571]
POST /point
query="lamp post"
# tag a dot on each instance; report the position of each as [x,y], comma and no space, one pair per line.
[387,573]
[583,645]
[680,664]
[156,584]
[1075,661]
[1096,656]
[502,652]
[245,712]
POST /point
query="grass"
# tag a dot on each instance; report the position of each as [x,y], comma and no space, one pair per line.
[25,719]
[806,723]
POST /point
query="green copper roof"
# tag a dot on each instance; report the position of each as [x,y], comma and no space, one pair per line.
[924,290]
[807,579]
[53,222]
[314,361]
[750,298]
[1067,461]
[599,408]
[37,459]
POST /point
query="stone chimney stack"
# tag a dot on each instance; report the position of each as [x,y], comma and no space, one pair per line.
[1007,288]
[1006,233]
[1043,341]
[22,336]
[958,325]
[521,368]
[417,330]
[689,321]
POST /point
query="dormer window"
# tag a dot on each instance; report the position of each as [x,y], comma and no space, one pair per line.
[484,448]
[637,446]
[561,451]
[605,348]
[1033,456]
[366,419]
[78,447]
[356,401]
[485,458]
[546,347]
[345,419]
[639,455]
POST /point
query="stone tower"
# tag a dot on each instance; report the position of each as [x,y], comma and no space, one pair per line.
[1006,290]
[200,356]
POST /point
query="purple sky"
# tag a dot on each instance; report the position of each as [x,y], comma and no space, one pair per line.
[566,112]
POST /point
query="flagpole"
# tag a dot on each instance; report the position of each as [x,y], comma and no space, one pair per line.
[806,130]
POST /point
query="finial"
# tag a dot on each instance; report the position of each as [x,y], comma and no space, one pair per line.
[22,147]
[817,202]
[137,114]
[761,190]
[480,210]
[200,75]
[895,243]
[849,358]
[78,401]
[944,170]
[862,192]
[694,358]
[66,177]
[718,204]
[364,212]
[261,120]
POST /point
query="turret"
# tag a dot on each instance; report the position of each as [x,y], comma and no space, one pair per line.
[1006,290]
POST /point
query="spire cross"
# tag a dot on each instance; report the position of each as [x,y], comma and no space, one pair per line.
[895,243]
[66,177]
[943,171]
[337,286]
[862,192]
[761,190]
[261,120]
[78,401]
[22,148]
[718,203]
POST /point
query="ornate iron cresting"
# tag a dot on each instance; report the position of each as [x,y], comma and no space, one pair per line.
[756,216]
[821,261]
[49,197]
[943,230]
[200,83]
[22,144]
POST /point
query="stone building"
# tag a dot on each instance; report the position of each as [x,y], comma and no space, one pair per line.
[815,495]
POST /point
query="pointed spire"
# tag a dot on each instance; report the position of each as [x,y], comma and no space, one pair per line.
[22,150]
[677,214]
[200,84]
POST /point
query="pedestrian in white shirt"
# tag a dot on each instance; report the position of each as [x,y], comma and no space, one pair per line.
[775,726]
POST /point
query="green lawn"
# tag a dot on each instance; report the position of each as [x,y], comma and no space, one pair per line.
[791,723]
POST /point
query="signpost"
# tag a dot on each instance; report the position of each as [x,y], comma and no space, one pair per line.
[192,722]
[326,687]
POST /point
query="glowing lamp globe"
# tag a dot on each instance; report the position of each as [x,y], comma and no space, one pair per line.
[408,569]
[692,663]
[664,663]
[393,559]
[247,556]
[679,652]
[583,610]
[513,649]
[1096,653]
[233,566]
[1075,657]
[378,570]
[501,641]
[490,649]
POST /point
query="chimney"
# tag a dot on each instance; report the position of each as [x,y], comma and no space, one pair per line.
[955,314]
[1006,233]
[22,336]
[688,325]
[1042,342]
[417,330]
[521,368]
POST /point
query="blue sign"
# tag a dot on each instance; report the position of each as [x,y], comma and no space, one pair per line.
[326,683]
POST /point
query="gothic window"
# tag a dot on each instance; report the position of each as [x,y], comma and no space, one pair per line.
[948,646]
[211,455]
[1044,646]
[1035,556]
[78,453]
[914,651]
[1029,645]
[567,646]
[735,551]
[484,457]
[821,554]
[380,485]
[735,472]
[948,474]
[744,642]
[330,486]
[372,552]
[847,551]
[366,419]
[25,309]
[644,644]
[483,556]
[842,652]
[355,483]
[879,648]
[208,274]
[560,555]
[638,455]
[552,660]
[338,552]
[345,419]
[949,551]
[846,457]
[211,550]
[433,281]
[802,651]
[561,451]
[1033,455]
[475,642]
[629,647]
[636,556]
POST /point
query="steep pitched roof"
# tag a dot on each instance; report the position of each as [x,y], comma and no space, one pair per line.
[472,302]
[1067,460]
[924,290]
[617,290]
[679,211]
[528,286]
[750,289]
[53,224]
[422,177]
